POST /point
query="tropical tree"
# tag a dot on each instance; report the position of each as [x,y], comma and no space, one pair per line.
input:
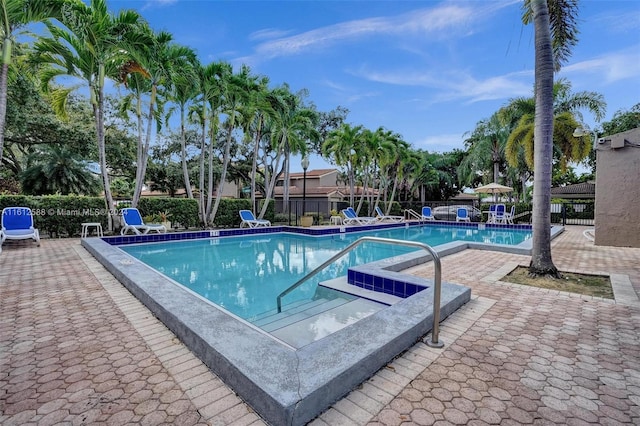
[54,169]
[485,150]
[341,147]
[89,49]
[293,130]
[183,92]
[236,93]
[15,14]
[550,53]
[567,108]
[153,56]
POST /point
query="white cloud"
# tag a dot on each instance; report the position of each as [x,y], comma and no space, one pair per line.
[459,85]
[450,19]
[440,143]
[153,3]
[609,68]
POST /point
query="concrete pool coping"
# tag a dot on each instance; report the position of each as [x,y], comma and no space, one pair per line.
[284,385]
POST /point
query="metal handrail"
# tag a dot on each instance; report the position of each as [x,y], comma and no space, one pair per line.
[436,279]
[412,213]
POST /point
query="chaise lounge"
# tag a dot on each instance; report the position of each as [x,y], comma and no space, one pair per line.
[250,220]
[132,221]
[17,224]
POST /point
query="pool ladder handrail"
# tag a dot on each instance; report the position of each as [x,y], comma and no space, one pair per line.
[412,214]
[434,342]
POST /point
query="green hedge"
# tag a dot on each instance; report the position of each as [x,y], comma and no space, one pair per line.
[62,216]
[227,215]
[180,211]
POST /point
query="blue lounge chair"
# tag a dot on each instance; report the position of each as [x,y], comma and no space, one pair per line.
[427,214]
[351,218]
[462,215]
[250,220]
[17,224]
[386,218]
[132,221]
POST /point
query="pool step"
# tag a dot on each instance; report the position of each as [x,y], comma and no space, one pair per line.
[290,308]
[297,313]
[325,321]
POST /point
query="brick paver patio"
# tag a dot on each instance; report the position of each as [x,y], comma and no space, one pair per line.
[77,348]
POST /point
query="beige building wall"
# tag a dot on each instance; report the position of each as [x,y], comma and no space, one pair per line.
[617,211]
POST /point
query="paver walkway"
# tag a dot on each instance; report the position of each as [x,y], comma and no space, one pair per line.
[77,348]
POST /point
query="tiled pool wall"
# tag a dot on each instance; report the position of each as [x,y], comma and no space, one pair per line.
[317,231]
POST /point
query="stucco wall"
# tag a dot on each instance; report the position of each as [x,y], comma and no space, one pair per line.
[617,212]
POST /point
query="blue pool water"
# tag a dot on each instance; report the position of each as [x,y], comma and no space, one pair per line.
[245,274]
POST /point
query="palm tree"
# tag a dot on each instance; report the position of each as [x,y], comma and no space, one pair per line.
[294,126]
[236,92]
[15,14]
[520,112]
[153,58]
[88,49]
[183,92]
[549,54]
[485,150]
[56,170]
[341,147]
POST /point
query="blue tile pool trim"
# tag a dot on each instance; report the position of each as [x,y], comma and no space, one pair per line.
[401,286]
[193,235]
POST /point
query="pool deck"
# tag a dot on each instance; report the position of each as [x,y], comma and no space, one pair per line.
[77,348]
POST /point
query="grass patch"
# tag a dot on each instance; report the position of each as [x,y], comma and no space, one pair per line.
[591,285]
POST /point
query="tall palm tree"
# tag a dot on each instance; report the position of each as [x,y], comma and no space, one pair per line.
[90,50]
[550,52]
[236,93]
[15,14]
[485,150]
[294,126]
[183,92]
[341,147]
[520,112]
[153,56]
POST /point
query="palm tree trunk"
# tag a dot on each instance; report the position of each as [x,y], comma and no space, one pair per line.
[541,262]
[143,152]
[223,175]
[3,97]
[98,112]
[254,164]
[203,154]
[272,184]
[183,155]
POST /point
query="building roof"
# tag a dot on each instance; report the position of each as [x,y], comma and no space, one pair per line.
[316,173]
[576,190]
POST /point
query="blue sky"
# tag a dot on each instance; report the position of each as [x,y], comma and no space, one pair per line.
[428,70]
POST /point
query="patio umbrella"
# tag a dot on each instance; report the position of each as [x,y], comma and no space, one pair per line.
[493,188]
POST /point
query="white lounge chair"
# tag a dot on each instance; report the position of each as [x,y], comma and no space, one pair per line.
[250,220]
[351,218]
[132,221]
[17,224]
[508,217]
[427,214]
[387,218]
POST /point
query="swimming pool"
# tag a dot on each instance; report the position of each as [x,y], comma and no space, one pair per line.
[245,275]
[285,384]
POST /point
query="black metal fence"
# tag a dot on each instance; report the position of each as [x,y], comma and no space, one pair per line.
[564,213]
